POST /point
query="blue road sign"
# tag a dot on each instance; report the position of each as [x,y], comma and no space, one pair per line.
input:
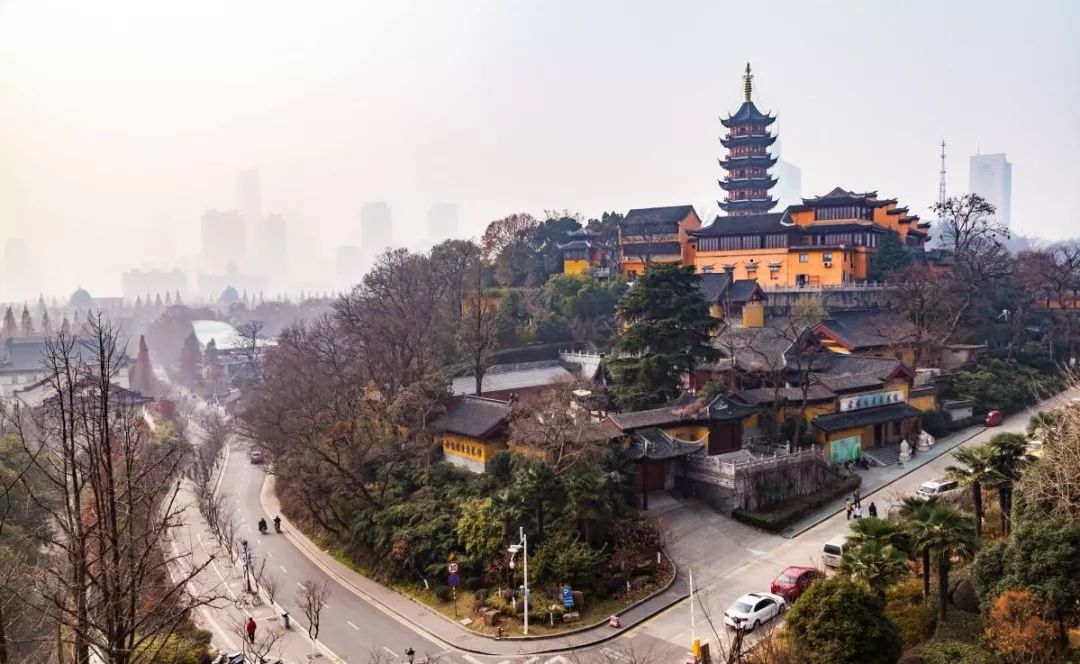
[567,597]
[453,580]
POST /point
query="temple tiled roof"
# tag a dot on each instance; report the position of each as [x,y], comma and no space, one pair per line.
[654,444]
[769,222]
[476,417]
[748,114]
[672,214]
[862,418]
[767,395]
[861,329]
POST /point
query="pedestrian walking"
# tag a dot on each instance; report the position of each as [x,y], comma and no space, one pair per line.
[873,510]
[856,498]
[858,512]
[848,505]
[251,629]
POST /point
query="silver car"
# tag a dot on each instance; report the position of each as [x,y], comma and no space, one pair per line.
[754,609]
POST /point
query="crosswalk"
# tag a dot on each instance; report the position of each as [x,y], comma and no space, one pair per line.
[605,655]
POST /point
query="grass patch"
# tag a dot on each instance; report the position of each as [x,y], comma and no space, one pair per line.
[782,515]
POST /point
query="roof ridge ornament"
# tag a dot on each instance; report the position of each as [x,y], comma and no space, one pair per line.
[748,82]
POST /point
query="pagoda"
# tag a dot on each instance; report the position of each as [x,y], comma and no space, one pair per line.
[748,160]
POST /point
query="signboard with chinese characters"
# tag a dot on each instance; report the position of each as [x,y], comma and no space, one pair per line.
[871,400]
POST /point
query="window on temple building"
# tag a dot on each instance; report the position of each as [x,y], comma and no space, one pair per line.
[826,256]
[804,258]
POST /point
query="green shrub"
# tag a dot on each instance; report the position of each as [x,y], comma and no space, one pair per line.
[955,652]
[474,583]
[913,617]
[783,515]
[564,558]
[987,570]
[444,593]
[838,621]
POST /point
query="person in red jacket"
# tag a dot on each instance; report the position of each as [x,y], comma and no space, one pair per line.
[251,629]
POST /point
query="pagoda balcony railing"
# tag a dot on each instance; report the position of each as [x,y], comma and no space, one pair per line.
[728,136]
[817,288]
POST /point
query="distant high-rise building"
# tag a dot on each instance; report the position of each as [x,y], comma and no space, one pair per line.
[223,240]
[249,195]
[442,221]
[376,230]
[350,266]
[788,189]
[991,178]
[271,251]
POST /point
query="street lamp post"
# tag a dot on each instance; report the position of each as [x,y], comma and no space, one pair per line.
[246,555]
[523,547]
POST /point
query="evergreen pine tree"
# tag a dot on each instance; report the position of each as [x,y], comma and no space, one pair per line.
[41,302]
[190,361]
[142,374]
[666,330]
[138,302]
[177,299]
[157,301]
[890,256]
[168,299]
[26,324]
[46,324]
[65,327]
[10,328]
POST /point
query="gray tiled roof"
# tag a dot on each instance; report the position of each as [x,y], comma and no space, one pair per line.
[765,395]
[769,222]
[848,382]
[475,417]
[503,377]
[23,355]
[672,214]
[712,285]
[867,328]
[862,418]
[43,392]
[653,443]
[742,290]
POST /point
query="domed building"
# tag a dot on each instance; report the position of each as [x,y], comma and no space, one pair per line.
[81,298]
[229,296]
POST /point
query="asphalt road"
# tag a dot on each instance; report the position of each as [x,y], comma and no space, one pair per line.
[359,631]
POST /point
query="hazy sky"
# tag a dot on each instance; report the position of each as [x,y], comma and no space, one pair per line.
[122,121]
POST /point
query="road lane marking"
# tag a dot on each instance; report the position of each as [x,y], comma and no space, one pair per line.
[392,653]
[470,658]
[283,570]
[352,625]
[269,555]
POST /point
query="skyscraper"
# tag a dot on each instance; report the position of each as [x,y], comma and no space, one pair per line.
[748,160]
[991,178]
[442,222]
[223,240]
[788,190]
[249,195]
[376,232]
[270,244]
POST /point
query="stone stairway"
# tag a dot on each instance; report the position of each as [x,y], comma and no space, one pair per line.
[883,456]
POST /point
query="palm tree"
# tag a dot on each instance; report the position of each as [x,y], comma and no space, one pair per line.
[883,531]
[1008,459]
[950,532]
[973,470]
[878,563]
[916,513]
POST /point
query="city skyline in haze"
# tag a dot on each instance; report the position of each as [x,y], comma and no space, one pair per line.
[126,121]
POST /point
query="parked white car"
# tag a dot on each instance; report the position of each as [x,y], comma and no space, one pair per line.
[754,609]
[938,488]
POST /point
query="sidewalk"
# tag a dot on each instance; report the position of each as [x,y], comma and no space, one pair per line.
[449,633]
[877,478]
[224,579]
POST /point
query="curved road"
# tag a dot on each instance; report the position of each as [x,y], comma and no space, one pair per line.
[359,631]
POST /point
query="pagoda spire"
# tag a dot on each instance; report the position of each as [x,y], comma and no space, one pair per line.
[748,82]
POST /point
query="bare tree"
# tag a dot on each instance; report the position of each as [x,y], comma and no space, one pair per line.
[311,596]
[266,641]
[117,588]
[478,334]
[265,580]
[559,428]
[251,348]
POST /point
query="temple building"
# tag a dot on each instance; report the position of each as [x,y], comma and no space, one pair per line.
[748,160]
[656,235]
[829,240]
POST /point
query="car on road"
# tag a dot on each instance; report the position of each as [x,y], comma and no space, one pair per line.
[833,551]
[994,418]
[938,489]
[793,581]
[754,609]
[256,456]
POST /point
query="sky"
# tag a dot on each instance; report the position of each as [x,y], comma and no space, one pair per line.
[122,121]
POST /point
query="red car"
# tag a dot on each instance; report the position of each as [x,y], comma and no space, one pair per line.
[793,581]
[993,418]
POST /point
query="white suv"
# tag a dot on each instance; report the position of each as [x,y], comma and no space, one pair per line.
[938,488]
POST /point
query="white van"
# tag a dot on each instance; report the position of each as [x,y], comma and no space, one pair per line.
[937,488]
[833,551]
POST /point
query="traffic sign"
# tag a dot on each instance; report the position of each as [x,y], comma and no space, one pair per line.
[567,597]
[453,580]
[452,567]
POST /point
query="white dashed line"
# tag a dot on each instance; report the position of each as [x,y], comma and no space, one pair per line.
[283,570]
[352,625]
[470,658]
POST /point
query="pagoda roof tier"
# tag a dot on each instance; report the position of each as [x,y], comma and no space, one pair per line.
[747,183]
[748,114]
[740,141]
[748,205]
[747,161]
[899,210]
[923,224]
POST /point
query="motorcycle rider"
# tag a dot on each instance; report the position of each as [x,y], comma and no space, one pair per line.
[277,524]
[262,526]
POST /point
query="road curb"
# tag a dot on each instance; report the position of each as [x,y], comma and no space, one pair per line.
[304,545]
[960,441]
